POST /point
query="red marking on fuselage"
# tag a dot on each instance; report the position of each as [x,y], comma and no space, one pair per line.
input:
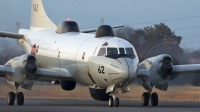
[33,50]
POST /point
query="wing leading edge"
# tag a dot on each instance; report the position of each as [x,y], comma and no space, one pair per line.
[95,29]
[11,35]
[44,75]
[190,68]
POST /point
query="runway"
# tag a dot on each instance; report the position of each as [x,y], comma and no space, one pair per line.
[44,105]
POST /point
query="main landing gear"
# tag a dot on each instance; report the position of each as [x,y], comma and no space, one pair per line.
[113,99]
[146,96]
[12,96]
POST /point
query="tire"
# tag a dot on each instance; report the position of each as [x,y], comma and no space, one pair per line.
[11,98]
[111,101]
[117,102]
[20,98]
[154,99]
[145,99]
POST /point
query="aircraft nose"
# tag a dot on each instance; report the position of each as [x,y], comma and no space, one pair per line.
[121,71]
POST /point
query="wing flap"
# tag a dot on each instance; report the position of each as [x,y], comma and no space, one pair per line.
[11,35]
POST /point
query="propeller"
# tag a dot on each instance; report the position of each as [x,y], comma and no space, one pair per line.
[40,88]
[13,50]
[166,67]
[177,83]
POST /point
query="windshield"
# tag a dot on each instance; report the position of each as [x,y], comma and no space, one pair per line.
[112,51]
[129,51]
[102,52]
[121,51]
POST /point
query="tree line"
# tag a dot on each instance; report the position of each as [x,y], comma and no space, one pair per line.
[160,39]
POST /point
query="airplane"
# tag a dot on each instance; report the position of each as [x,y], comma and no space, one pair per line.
[65,55]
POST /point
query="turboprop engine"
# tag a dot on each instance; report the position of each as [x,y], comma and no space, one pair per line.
[24,66]
[160,68]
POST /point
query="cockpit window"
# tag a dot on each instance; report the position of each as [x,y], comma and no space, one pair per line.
[121,51]
[102,52]
[129,51]
[112,51]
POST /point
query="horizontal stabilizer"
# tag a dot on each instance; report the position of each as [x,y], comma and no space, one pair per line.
[95,29]
[11,35]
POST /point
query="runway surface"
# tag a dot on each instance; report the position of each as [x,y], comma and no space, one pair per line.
[44,105]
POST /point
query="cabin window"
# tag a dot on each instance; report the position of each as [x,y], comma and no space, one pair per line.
[102,52]
[129,51]
[121,51]
[112,51]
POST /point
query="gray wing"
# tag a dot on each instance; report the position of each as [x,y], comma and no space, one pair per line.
[45,75]
[186,68]
[190,68]
[11,35]
[4,70]
[95,29]
[48,75]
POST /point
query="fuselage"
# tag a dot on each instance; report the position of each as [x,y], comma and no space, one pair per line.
[80,55]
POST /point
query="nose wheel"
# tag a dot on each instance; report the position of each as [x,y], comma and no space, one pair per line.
[12,96]
[113,102]
[145,99]
[113,99]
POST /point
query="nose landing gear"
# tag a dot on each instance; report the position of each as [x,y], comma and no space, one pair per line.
[113,99]
[12,96]
[113,102]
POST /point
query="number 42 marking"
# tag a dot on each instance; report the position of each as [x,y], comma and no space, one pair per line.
[101,69]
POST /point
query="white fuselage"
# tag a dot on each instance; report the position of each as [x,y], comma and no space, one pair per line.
[70,51]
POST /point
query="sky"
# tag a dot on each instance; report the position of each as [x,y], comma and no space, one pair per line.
[182,16]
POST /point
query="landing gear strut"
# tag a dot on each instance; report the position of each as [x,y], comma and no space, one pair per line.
[12,96]
[113,99]
[146,96]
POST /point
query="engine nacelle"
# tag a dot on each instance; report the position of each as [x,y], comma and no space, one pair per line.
[159,67]
[67,85]
[24,65]
[99,94]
